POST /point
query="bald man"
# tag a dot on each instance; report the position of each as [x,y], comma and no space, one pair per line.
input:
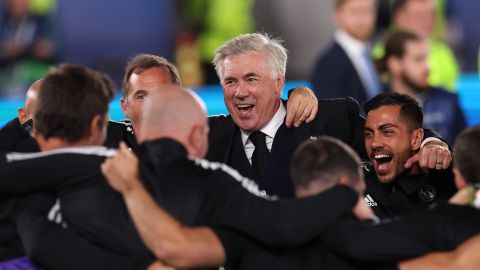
[26,113]
[15,135]
[194,191]
[175,187]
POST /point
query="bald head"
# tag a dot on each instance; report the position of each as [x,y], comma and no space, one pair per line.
[26,113]
[173,112]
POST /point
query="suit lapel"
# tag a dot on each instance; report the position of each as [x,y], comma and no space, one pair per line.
[222,133]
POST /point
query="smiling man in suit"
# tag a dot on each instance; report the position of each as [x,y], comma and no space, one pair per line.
[254,138]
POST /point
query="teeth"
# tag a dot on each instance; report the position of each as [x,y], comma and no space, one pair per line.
[382,156]
[243,106]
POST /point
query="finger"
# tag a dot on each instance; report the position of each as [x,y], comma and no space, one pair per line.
[412,161]
[124,149]
[313,113]
[308,113]
[300,115]
[291,108]
[423,159]
[123,146]
[106,170]
[432,159]
[296,113]
[447,161]
[439,166]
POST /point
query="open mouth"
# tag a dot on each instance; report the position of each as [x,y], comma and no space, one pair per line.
[245,108]
[382,162]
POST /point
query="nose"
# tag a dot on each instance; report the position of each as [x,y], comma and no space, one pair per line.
[242,91]
[376,142]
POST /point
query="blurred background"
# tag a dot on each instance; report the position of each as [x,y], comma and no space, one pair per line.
[37,34]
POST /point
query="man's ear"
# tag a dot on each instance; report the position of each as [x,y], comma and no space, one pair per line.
[460,181]
[417,138]
[96,128]
[280,83]
[123,104]
[195,140]
[393,65]
[22,115]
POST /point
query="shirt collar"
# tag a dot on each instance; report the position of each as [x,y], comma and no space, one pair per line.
[351,45]
[270,129]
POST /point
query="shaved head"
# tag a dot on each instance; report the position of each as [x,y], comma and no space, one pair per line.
[26,113]
[171,111]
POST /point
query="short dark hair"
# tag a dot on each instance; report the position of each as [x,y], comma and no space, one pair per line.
[466,157]
[410,110]
[395,45]
[69,98]
[143,62]
[324,159]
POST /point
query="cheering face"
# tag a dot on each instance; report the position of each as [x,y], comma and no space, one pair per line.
[389,142]
[251,89]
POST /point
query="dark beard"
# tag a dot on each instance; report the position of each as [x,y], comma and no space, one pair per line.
[412,85]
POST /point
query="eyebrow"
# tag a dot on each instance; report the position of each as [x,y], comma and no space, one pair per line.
[384,126]
[251,74]
[138,92]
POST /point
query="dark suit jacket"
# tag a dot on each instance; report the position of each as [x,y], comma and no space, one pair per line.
[336,117]
[334,76]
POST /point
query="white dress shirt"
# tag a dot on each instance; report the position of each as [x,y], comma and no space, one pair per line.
[270,129]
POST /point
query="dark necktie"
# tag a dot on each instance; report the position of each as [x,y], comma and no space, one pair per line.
[260,154]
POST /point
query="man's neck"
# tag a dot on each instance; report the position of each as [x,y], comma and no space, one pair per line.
[57,143]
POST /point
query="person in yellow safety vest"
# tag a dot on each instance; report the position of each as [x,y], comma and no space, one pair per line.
[419,16]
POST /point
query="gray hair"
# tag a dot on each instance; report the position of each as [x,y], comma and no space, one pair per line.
[259,42]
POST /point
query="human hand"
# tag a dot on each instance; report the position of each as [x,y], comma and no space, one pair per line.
[121,171]
[433,155]
[302,106]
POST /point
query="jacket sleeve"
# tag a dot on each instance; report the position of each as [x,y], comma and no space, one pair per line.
[54,247]
[278,222]
[26,175]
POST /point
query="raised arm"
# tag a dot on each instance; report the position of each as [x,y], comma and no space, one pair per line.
[464,257]
[302,106]
[170,242]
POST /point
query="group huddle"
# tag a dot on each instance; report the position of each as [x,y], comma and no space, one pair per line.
[276,184]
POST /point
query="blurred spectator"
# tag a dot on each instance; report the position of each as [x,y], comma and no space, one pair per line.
[346,68]
[406,62]
[26,47]
[419,17]
[215,22]
[463,23]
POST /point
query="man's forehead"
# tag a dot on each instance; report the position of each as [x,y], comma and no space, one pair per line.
[247,62]
[383,115]
[149,79]
[420,46]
